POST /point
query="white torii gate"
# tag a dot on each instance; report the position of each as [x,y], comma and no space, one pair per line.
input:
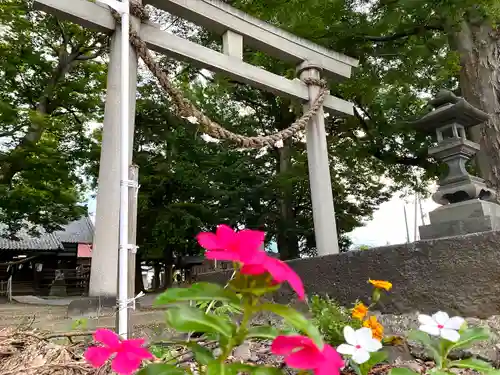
[237,29]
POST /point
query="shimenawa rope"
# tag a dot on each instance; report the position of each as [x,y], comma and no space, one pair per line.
[186,108]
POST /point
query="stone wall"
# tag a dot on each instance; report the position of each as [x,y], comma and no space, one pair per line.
[458,274]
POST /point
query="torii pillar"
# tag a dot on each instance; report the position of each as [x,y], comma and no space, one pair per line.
[104,272]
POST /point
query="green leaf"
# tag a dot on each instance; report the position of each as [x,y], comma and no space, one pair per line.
[296,319]
[161,369]
[435,371]
[191,319]
[263,370]
[217,368]
[471,335]
[238,368]
[428,343]
[203,355]
[197,292]
[263,332]
[355,367]
[377,357]
[402,371]
[473,364]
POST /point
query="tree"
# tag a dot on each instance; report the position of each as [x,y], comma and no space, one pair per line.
[51,86]
[406,48]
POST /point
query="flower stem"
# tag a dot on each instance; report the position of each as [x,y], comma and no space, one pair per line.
[241,333]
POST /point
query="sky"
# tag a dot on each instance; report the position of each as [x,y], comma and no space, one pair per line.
[387,227]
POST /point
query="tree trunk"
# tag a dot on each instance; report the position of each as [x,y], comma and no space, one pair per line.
[139,283]
[478,46]
[169,263]
[288,245]
[156,276]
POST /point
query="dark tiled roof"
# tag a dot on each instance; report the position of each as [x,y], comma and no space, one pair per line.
[28,242]
[79,231]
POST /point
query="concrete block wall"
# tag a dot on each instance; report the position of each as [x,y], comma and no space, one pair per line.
[457,274]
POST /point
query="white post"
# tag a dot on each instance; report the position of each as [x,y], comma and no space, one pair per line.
[325,227]
[124,163]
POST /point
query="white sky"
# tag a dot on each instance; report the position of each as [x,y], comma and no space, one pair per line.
[388,223]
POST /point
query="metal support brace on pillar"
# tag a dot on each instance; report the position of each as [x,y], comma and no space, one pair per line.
[132,228]
[325,227]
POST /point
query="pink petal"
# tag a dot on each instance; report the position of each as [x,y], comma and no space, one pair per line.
[283,272]
[208,241]
[97,355]
[332,364]
[134,349]
[225,236]
[125,363]
[334,359]
[300,351]
[250,240]
[255,256]
[306,358]
[284,345]
[108,338]
[223,255]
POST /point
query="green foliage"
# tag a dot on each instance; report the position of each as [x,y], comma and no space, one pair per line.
[51,87]
[220,308]
[80,324]
[402,371]
[331,318]
[227,334]
[161,369]
[198,292]
[190,319]
[439,349]
[295,319]
[375,358]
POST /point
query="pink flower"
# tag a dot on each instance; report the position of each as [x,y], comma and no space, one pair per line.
[229,245]
[128,354]
[301,353]
[245,247]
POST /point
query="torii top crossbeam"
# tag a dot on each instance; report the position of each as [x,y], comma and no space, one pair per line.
[219,17]
[255,32]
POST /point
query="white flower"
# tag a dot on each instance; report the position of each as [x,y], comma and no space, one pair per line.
[440,324]
[360,344]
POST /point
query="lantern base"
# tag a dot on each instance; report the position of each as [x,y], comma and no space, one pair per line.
[471,216]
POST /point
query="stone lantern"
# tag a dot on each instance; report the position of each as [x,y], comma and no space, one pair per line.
[468,205]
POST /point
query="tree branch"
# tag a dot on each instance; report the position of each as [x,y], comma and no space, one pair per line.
[390,157]
[403,34]
[63,33]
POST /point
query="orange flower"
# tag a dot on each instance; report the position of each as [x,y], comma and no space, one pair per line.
[381,284]
[359,311]
[375,326]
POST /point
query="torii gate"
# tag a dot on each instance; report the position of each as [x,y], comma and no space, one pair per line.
[237,29]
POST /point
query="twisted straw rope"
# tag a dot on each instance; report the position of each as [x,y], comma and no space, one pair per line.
[185,108]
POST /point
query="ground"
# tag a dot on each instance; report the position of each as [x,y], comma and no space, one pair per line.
[54,319]
[17,347]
